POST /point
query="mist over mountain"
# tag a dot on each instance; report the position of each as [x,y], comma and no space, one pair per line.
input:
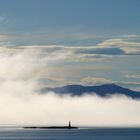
[101,90]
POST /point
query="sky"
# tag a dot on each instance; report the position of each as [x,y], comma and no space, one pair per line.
[100,38]
[58,42]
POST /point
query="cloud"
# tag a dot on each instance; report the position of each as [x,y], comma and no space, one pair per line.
[110,47]
[22,104]
[119,42]
[51,109]
[4,37]
[130,36]
[94,81]
[127,46]
[135,76]
[107,49]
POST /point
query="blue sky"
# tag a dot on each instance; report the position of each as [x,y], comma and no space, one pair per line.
[93,16]
[98,38]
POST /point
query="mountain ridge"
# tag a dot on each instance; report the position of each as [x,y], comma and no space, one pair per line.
[101,90]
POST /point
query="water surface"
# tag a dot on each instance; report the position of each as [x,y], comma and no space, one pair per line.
[74,134]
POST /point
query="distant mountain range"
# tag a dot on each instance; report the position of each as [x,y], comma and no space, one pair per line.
[101,90]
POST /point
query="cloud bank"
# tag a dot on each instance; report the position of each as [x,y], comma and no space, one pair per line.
[21,103]
[51,109]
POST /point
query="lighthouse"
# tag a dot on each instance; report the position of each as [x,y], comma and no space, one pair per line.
[69,124]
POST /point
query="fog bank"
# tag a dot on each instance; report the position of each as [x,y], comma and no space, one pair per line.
[22,104]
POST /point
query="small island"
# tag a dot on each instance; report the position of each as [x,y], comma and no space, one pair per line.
[51,127]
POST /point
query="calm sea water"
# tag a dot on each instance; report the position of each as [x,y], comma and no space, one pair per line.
[77,134]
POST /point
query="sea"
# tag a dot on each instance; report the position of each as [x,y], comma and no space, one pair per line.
[72,134]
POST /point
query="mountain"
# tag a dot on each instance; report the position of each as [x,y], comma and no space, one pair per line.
[101,90]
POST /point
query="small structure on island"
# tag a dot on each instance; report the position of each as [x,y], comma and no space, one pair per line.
[69,124]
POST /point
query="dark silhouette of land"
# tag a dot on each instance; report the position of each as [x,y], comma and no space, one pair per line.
[101,90]
[51,127]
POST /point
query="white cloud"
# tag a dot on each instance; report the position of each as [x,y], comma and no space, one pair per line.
[119,42]
[107,47]
[21,102]
[51,109]
[101,51]
[129,47]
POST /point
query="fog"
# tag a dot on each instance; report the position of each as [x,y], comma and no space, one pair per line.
[21,103]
